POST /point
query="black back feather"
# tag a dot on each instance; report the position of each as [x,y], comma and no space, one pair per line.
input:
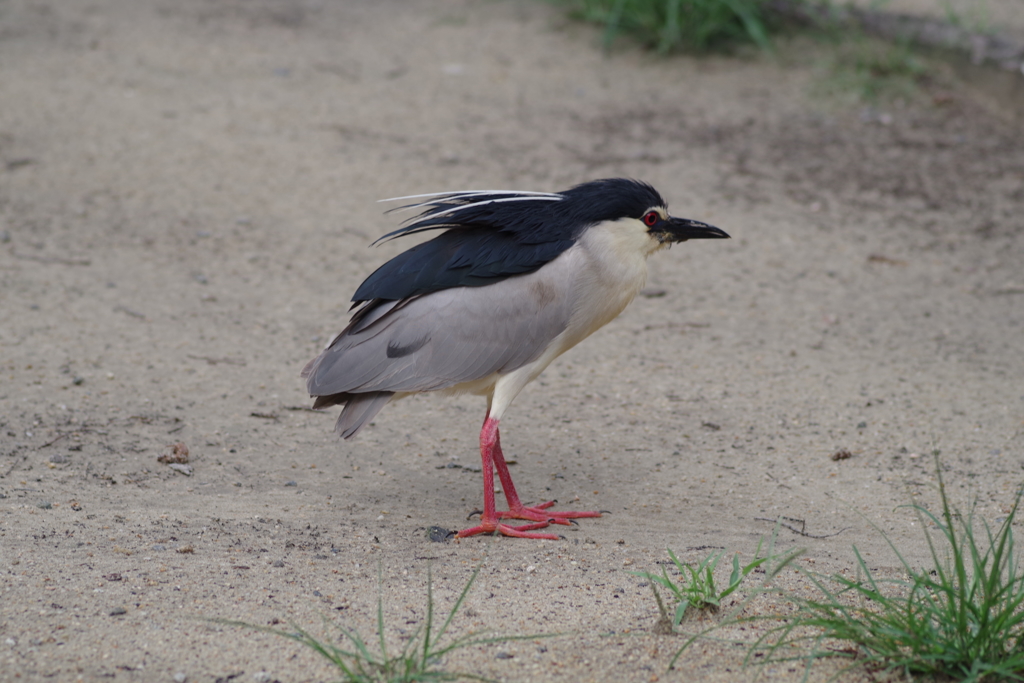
[492,236]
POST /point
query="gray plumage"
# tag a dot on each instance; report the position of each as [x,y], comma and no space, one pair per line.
[439,341]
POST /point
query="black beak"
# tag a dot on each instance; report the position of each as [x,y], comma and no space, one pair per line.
[682,229]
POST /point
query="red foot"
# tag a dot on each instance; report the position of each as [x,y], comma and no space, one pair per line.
[539,513]
[535,513]
[507,530]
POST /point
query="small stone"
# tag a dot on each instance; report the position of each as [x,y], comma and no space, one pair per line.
[261,677]
[278,563]
[45,505]
[291,483]
[178,454]
[158,547]
[58,459]
[180,677]
[118,611]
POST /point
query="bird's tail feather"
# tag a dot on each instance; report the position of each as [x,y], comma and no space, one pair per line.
[360,409]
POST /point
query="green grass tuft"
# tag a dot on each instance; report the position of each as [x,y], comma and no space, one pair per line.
[696,588]
[963,618]
[679,25]
[874,71]
[419,659]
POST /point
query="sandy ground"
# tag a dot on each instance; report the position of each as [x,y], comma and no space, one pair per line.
[187,196]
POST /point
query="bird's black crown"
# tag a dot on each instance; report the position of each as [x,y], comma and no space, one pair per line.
[610,199]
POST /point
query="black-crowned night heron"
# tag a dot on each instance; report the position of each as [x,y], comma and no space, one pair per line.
[515,280]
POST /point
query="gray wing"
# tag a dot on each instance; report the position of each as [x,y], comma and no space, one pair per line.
[443,339]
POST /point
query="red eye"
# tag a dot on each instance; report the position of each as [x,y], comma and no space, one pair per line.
[651,219]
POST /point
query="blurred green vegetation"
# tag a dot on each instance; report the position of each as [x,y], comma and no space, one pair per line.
[679,25]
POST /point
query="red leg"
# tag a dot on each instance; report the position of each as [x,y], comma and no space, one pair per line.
[490,454]
[517,510]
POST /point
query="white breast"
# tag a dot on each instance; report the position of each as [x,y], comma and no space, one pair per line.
[605,269]
[612,270]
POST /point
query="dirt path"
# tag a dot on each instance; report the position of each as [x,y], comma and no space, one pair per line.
[187,194]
